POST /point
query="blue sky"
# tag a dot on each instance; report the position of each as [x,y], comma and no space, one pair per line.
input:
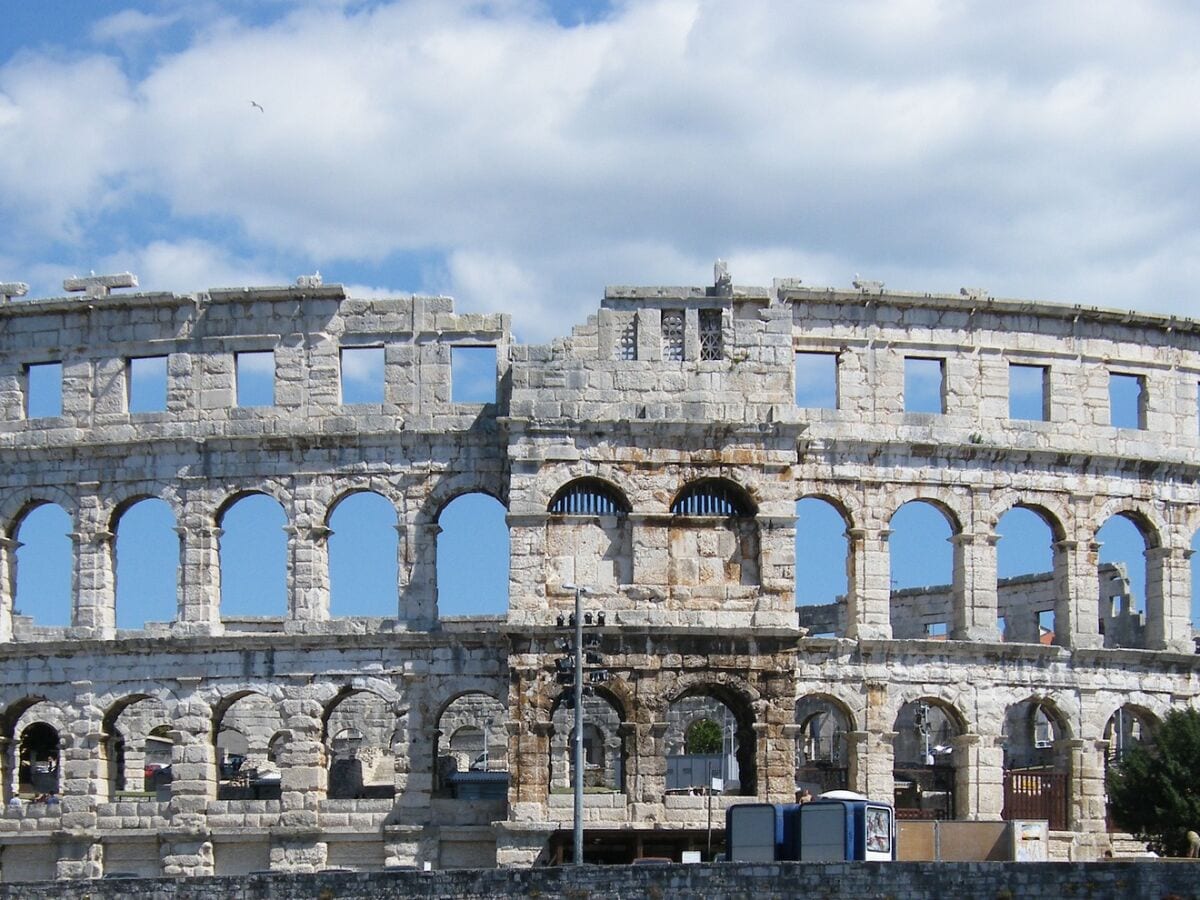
[521,154]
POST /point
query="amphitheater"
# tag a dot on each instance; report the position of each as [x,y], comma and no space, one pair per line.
[656,455]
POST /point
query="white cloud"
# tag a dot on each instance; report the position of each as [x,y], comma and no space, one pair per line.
[1046,150]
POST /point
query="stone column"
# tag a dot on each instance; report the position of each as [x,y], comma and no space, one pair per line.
[415,761]
[199,574]
[651,552]
[971,802]
[187,845]
[307,575]
[418,592]
[8,550]
[10,764]
[94,585]
[1088,803]
[301,765]
[1169,599]
[82,773]
[869,591]
[974,596]
[1077,594]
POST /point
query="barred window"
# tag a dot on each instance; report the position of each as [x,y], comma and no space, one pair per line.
[589,497]
[626,346]
[672,335]
[711,346]
[712,497]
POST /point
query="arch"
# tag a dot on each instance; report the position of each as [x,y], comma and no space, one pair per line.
[923,566]
[589,496]
[146,568]
[44,564]
[357,728]
[136,744]
[713,497]
[925,761]
[1128,726]
[1037,762]
[1026,587]
[723,704]
[472,556]
[253,556]
[471,713]
[822,568]
[243,725]
[604,750]
[822,744]
[363,555]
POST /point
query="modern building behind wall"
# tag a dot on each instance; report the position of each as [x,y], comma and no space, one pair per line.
[656,455]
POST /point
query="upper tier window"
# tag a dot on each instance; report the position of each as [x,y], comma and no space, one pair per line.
[589,497]
[712,497]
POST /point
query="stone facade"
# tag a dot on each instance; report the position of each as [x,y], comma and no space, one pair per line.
[656,455]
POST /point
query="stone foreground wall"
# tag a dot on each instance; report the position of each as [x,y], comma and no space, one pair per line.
[1150,878]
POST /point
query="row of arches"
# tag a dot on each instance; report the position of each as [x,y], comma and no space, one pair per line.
[365,555]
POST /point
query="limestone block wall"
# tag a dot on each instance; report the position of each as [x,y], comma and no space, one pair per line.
[671,418]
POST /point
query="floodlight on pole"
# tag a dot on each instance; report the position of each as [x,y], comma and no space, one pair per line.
[580,592]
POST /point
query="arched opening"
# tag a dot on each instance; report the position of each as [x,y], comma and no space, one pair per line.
[925,766]
[822,746]
[731,759]
[358,745]
[603,745]
[242,738]
[1126,728]
[1037,764]
[1124,597]
[39,773]
[1026,592]
[363,557]
[253,559]
[921,557]
[588,537]
[147,564]
[822,567]
[472,557]
[472,749]
[43,567]
[713,539]
[137,747]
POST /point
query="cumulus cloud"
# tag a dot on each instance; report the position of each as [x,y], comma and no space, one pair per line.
[1042,150]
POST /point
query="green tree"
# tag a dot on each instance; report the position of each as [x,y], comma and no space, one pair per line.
[703,737]
[1154,790]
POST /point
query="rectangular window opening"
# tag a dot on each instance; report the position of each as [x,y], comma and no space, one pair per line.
[473,374]
[936,630]
[1045,620]
[924,385]
[672,335]
[711,339]
[362,375]
[1028,394]
[255,374]
[147,384]
[816,380]
[43,390]
[1000,626]
[1126,400]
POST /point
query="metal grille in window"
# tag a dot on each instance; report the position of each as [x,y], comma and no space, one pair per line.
[589,497]
[710,334]
[672,335]
[627,341]
[712,498]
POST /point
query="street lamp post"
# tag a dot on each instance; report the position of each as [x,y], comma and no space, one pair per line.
[580,591]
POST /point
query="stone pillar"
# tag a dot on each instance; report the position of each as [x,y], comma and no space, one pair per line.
[876,766]
[94,584]
[973,796]
[414,752]
[301,766]
[418,592]
[869,591]
[974,595]
[199,574]
[8,550]
[9,763]
[1169,599]
[1088,803]
[1077,594]
[651,552]
[307,575]
[193,761]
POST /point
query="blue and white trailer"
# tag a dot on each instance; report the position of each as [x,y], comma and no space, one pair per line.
[837,826]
